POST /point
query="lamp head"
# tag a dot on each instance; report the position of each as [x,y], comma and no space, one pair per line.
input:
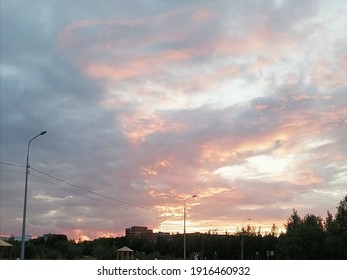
[43,132]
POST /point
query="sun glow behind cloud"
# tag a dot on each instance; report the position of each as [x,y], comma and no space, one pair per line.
[243,104]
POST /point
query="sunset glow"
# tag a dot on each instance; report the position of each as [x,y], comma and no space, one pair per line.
[147,103]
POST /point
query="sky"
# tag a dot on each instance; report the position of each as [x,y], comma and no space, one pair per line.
[147,103]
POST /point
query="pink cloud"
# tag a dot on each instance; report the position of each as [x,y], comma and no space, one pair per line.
[132,69]
[203,14]
[330,73]
[136,66]
[161,63]
[137,127]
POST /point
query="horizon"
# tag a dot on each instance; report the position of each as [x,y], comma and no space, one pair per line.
[147,103]
[247,228]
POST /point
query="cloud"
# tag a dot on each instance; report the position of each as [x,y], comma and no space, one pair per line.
[145,104]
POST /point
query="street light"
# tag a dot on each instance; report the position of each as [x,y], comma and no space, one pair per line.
[25,197]
[184,230]
[242,240]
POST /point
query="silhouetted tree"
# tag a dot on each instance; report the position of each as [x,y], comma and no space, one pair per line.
[304,239]
[336,228]
[341,216]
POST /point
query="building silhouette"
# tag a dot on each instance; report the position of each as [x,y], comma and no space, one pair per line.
[138,231]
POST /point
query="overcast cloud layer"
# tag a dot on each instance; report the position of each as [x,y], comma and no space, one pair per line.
[147,103]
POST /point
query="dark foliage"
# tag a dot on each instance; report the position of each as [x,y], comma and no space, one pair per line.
[309,238]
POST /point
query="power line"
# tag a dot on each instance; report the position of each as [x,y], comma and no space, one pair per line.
[76,186]
[47,181]
[12,171]
[92,198]
[75,192]
[12,164]
[89,191]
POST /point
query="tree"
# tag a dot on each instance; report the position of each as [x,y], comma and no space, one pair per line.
[336,229]
[314,237]
[341,216]
[329,224]
[293,222]
[304,239]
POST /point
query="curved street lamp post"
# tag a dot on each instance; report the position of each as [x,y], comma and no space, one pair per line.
[25,197]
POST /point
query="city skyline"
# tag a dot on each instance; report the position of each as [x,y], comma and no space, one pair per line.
[146,103]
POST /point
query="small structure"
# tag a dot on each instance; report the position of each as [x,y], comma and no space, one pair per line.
[5,250]
[125,253]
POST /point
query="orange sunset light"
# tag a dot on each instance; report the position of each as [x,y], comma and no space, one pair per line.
[147,103]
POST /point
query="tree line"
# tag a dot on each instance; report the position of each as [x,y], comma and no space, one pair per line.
[305,238]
